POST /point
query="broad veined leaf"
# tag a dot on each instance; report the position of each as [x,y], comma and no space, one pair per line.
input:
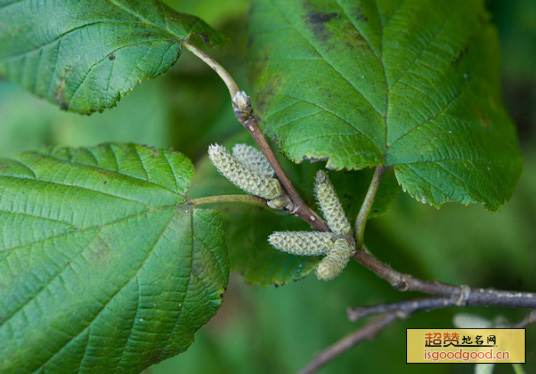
[85,55]
[248,227]
[105,266]
[413,85]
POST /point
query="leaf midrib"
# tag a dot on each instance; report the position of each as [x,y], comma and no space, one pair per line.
[83,229]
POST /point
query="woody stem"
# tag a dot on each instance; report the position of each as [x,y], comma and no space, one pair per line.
[299,207]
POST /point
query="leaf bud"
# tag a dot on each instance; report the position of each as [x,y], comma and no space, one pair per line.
[280,203]
[242,105]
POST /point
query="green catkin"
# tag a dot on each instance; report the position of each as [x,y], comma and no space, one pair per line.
[335,261]
[303,243]
[242,176]
[254,159]
[331,206]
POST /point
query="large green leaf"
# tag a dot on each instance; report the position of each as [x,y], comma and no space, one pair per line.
[105,266]
[412,85]
[85,55]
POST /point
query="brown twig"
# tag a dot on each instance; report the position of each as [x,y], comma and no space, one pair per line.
[407,306]
[366,332]
[299,209]
[463,295]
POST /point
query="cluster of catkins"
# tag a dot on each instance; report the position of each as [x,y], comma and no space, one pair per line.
[334,245]
[248,169]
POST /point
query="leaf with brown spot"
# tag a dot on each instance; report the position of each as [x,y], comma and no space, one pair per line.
[85,55]
[410,84]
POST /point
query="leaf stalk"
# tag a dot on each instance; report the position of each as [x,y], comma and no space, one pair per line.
[220,70]
[366,207]
[241,199]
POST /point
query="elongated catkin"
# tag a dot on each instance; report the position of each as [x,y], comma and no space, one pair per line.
[335,261]
[254,159]
[242,176]
[331,206]
[303,243]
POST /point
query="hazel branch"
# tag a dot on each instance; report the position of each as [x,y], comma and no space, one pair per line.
[244,113]
[390,313]
[464,295]
[368,331]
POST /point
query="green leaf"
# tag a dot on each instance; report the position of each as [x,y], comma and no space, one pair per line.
[412,85]
[86,55]
[247,227]
[105,266]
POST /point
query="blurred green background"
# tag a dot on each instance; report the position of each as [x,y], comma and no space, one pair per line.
[278,330]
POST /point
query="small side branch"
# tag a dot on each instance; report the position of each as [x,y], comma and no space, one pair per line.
[366,332]
[390,313]
[407,306]
[528,320]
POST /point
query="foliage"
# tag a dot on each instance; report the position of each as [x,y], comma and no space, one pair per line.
[414,86]
[135,277]
[86,55]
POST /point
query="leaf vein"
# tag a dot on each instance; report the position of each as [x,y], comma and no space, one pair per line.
[354,24]
[102,168]
[325,60]
[441,112]
[183,301]
[424,48]
[133,324]
[326,110]
[119,289]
